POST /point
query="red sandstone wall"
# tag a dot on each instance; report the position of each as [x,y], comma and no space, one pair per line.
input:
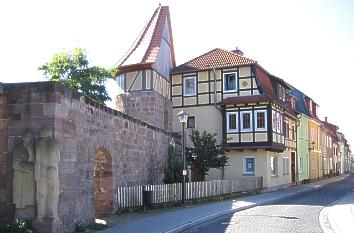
[138,150]
[23,106]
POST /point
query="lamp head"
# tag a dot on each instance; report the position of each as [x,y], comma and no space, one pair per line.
[183,116]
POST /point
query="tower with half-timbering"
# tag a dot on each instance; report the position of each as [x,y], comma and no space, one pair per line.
[144,73]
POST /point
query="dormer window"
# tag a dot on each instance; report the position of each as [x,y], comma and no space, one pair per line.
[292,102]
[230,82]
[310,106]
[281,92]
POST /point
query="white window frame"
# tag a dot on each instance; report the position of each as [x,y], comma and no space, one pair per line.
[241,120]
[228,123]
[224,84]
[277,117]
[301,165]
[287,129]
[313,135]
[244,165]
[286,166]
[274,165]
[190,117]
[184,85]
[120,80]
[274,120]
[265,119]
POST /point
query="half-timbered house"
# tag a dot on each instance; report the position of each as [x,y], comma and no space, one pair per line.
[232,95]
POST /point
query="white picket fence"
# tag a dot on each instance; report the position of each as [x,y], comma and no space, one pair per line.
[165,193]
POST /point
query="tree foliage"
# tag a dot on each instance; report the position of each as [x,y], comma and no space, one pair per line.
[205,154]
[72,68]
[174,165]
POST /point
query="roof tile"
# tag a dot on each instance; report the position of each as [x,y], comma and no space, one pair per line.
[216,58]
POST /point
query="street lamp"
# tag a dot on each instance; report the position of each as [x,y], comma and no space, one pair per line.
[183,117]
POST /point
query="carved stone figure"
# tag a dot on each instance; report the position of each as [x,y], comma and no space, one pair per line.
[23,183]
[46,175]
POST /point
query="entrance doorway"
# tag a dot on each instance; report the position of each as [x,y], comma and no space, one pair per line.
[102,178]
[293,170]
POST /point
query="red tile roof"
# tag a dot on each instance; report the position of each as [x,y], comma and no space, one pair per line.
[331,128]
[265,83]
[216,58]
[146,47]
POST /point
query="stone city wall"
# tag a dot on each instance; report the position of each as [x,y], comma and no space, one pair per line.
[83,128]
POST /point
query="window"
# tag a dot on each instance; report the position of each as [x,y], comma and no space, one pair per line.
[286,166]
[246,121]
[313,136]
[281,92]
[293,132]
[274,121]
[300,130]
[301,166]
[313,164]
[292,103]
[286,130]
[189,86]
[120,82]
[191,122]
[274,165]
[330,142]
[260,120]
[278,122]
[230,82]
[249,162]
[231,121]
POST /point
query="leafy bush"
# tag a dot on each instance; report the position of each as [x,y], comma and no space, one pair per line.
[15,226]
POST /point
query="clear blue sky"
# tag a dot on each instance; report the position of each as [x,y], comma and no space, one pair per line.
[309,43]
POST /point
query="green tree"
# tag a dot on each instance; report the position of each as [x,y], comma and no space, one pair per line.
[205,154]
[174,165]
[72,68]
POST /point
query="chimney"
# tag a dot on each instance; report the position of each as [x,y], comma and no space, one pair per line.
[237,51]
[326,118]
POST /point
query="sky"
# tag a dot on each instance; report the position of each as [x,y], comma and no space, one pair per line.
[308,43]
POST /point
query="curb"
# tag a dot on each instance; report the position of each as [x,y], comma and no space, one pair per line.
[202,220]
[325,222]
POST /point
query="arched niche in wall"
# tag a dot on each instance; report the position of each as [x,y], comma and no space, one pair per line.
[103,182]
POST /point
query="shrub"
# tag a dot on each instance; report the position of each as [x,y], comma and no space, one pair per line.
[15,226]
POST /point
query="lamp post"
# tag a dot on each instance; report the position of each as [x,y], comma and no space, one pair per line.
[183,117]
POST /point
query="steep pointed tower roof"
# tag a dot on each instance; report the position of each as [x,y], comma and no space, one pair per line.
[153,46]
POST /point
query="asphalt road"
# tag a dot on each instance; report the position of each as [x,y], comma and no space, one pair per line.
[296,214]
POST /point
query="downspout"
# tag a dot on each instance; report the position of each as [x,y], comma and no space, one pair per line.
[296,154]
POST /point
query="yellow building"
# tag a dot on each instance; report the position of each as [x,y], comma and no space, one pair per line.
[315,159]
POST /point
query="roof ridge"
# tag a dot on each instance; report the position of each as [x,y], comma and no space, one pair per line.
[154,33]
[193,59]
[238,54]
[139,38]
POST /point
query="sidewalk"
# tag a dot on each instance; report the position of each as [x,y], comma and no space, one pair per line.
[178,219]
[339,217]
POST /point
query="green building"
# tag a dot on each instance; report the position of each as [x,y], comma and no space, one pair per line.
[302,136]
